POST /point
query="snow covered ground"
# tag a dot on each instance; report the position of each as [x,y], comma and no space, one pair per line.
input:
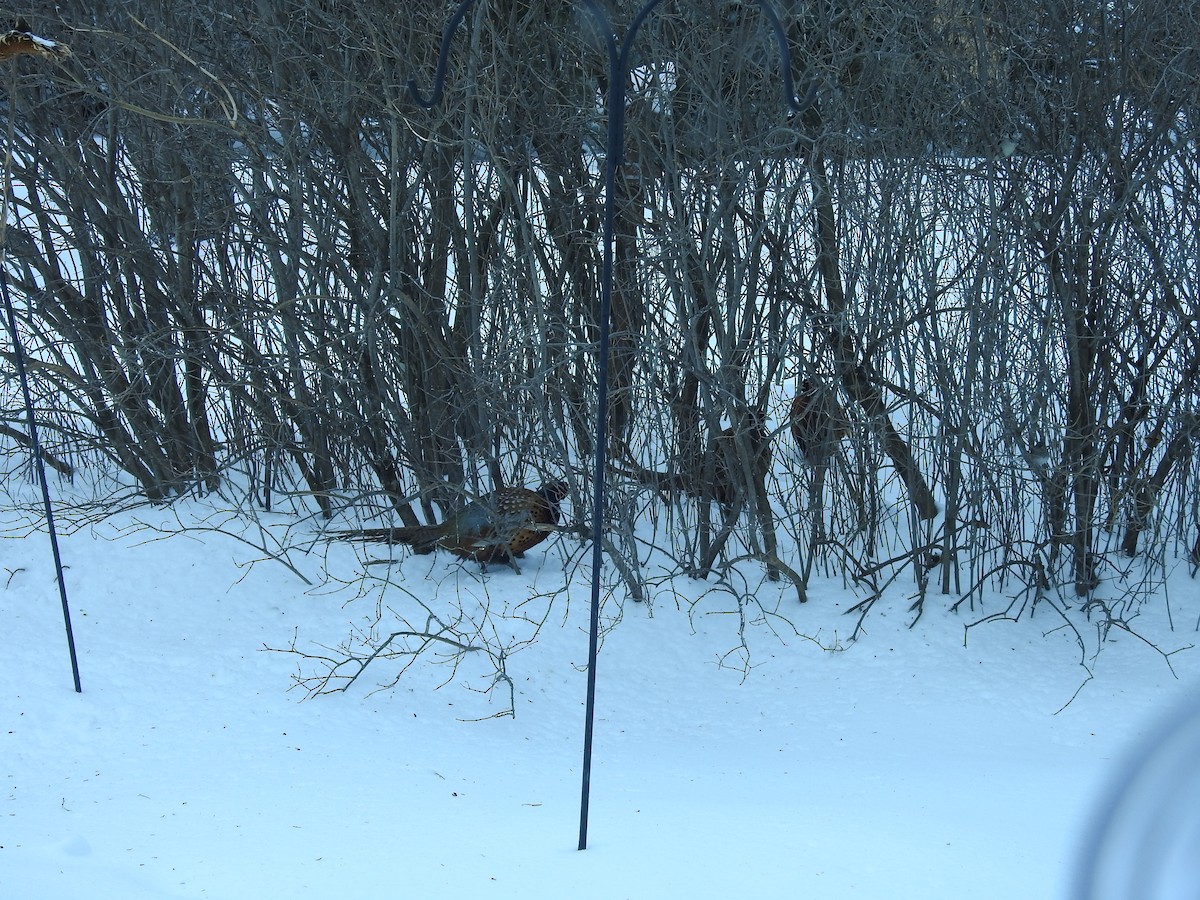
[904,765]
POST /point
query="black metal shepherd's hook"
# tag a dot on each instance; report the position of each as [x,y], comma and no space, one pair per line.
[55,49]
[618,74]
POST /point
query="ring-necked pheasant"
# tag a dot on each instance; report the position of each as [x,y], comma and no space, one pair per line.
[818,422]
[498,527]
[732,461]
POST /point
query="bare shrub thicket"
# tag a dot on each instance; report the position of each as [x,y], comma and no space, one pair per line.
[239,247]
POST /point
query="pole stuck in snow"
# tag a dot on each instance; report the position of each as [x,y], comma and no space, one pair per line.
[14,43]
[618,75]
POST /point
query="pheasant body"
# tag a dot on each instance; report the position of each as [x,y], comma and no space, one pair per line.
[818,422]
[499,526]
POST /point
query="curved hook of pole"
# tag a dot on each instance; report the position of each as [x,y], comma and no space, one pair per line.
[439,78]
[796,104]
[618,59]
[606,30]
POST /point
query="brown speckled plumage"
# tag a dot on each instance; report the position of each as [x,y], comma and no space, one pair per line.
[499,526]
[21,42]
[818,422]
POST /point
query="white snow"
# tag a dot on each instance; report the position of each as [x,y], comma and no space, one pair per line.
[904,765]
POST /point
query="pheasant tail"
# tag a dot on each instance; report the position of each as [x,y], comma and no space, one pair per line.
[422,538]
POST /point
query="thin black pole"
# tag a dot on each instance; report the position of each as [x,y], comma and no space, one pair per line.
[616,92]
[39,463]
[618,74]
[40,466]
